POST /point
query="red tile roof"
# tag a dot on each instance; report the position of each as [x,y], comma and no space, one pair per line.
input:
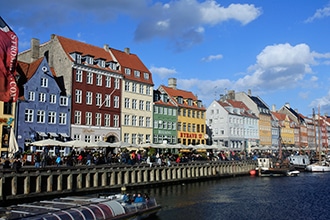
[126,60]
[133,62]
[174,93]
[29,69]
[280,116]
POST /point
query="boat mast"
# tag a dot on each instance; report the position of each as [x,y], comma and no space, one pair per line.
[319,133]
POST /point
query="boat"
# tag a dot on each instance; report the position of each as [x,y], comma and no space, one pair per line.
[299,162]
[267,168]
[322,164]
[83,207]
[319,166]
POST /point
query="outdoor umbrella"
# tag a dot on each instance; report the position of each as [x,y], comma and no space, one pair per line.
[46,142]
[76,144]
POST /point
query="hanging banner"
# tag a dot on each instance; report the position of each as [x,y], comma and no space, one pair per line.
[8,60]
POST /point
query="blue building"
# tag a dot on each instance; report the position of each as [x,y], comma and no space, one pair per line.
[43,109]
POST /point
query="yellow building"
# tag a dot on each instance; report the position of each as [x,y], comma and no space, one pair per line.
[191,114]
[7,116]
[286,130]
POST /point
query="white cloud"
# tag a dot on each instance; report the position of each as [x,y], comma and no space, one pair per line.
[323,103]
[212,57]
[162,72]
[319,14]
[183,21]
[279,66]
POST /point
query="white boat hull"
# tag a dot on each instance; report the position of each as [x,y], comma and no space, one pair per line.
[318,167]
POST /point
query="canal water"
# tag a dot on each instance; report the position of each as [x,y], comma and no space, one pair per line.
[304,197]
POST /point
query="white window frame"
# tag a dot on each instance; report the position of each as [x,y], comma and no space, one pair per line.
[89,98]
[62,118]
[79,75]
[41,116]
[29,115]
[51,117]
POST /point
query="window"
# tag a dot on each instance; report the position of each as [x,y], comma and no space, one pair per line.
[107,120]
[117,83]
[141,89]
[78,58]
[156,124]
[78,76]
[146,75]
[133,138]
[88,117]
[41,116]
[89,98]
[141,119]
[141,105]
[127,71]
[137,73]
[31,96]
[7,108]
[63,101]
[77,117]
[134,120]
[148,106]
[42,97]
[134,101]
[98,99]
[126,86]
[29,115]
[108,81]
[99,80]
[98,117]
[51,117]
[107,100]
[116,121]
[126,102]
[134,85]
[89,78]
[43,82]
[88,138]
[52,98]
[78,96]
[148,122]
[126,137]
[116,102]
[148,90]
[184,126]
[62,118]
[126,120]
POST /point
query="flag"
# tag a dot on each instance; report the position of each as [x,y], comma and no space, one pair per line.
[8,60]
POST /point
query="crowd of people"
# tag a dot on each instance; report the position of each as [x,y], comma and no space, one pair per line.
[151,157]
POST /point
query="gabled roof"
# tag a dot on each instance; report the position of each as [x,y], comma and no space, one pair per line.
[174,93]
[161,102]
[238,105]
[133,62]
[71,46]
[29,69]
[126,60]
[280,116]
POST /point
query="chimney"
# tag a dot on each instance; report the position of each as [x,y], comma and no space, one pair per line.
[231,94]
[172,83]
[249,92]
[106,47]
[35,44]
[274,108]
[287,105]
[127,50]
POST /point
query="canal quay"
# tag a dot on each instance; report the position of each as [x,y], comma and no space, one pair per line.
[31,184]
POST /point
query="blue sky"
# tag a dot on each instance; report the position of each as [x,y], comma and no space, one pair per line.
[278,49]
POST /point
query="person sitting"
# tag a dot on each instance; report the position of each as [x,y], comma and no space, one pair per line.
[138,198]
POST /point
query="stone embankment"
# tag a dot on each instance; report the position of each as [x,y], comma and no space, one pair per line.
[35,184]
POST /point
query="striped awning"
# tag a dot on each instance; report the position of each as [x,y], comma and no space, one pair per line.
[41,133]
[64,135]
[53,134]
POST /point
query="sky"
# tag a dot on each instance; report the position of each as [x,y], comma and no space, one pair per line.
[278,49]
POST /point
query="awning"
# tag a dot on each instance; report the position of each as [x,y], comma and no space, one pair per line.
[42,134]
[64,135]
[52,134]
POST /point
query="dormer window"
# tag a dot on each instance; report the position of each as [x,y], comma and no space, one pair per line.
[78,58]
[89,60]
[180,100]
[137,73]
[146,75]
[127,71]
[190,102]
[102,63]
[113,66]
